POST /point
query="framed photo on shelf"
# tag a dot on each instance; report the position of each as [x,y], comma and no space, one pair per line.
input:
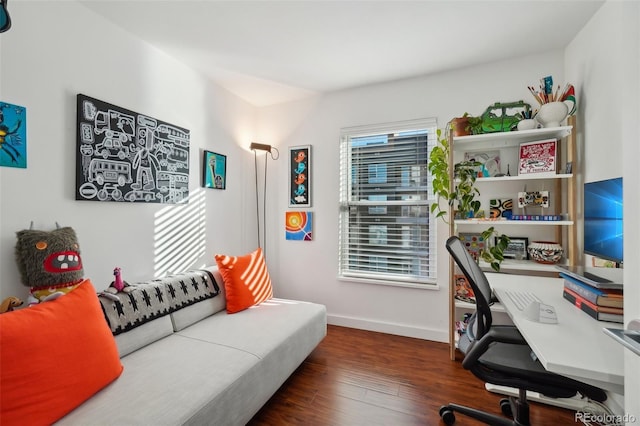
[214,170]
[538,157]
[300,176]
[517,248]
[569,168]
[490,162]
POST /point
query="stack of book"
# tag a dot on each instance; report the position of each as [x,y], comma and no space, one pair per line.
[601,304]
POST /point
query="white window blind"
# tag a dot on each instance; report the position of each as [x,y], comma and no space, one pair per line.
[387,233]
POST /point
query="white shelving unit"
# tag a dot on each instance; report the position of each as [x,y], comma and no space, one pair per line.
[562,188]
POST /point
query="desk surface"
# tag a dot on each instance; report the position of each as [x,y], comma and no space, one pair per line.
[576,346]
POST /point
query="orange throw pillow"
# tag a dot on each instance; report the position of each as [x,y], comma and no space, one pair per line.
[53,357]
[246,280]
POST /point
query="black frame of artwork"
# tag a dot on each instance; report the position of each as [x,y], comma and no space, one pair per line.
[300,179]
[122,155]
[214,183]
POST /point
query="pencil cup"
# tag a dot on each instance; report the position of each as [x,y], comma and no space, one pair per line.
[551,114]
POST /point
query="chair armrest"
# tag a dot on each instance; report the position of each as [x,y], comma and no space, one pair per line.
[497,334]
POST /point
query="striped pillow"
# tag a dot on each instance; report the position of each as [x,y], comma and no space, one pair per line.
[246,280]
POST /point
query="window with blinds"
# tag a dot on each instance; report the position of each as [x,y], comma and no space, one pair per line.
[387,234]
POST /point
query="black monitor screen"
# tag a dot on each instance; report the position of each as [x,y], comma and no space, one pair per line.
[603,219]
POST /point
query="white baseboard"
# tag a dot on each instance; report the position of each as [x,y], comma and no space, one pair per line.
[389,328]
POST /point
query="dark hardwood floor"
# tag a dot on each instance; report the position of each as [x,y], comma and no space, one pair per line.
[357,377]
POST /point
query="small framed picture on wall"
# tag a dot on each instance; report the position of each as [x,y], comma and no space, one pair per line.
[214,170]
[300,176]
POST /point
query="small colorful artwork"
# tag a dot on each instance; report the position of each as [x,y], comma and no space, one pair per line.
[533,199]
[490,162]
[298,226]
[300,176]
[214,170]
[13,136]
[500,208]
[464,291]
[474,244]
[538,157]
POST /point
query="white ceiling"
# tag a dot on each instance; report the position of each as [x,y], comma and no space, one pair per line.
[273,51]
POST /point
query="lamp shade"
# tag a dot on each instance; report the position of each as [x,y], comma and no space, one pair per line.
[260,147]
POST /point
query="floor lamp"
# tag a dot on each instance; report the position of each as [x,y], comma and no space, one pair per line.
[255,147]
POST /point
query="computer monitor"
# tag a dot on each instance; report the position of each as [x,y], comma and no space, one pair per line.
[603,219]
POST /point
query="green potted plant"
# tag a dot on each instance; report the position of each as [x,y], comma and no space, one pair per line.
[466,125]
[494,255]
[463,195]
[474,125]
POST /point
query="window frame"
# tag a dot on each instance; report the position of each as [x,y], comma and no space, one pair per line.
[346,201]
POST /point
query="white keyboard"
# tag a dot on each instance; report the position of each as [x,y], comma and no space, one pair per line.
[521,299]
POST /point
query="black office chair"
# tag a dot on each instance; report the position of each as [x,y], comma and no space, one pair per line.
[500,355]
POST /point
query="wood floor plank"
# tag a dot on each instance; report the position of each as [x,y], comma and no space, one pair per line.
[356,377]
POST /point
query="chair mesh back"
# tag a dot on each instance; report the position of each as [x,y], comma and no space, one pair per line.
[477,280]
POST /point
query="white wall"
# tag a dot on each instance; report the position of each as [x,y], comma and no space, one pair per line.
[45,63]
[603,61]
[308,270]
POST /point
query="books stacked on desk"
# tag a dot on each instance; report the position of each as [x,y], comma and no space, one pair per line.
[601,304]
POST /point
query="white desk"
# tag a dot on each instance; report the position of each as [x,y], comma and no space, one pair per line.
[576,346]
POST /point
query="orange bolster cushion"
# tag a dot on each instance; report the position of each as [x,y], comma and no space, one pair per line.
[54,356]
[246,280]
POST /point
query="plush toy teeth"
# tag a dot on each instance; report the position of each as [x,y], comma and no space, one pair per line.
[63,262]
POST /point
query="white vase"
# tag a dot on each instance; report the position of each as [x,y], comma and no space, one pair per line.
[551,114]
[527,124]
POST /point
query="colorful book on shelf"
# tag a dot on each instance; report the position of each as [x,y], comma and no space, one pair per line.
[539,217]
[599,297]
[601,313]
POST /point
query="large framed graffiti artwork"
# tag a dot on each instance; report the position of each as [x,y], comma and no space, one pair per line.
[125,156]
[300,176]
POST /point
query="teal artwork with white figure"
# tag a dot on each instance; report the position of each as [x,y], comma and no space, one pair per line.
[13,135]
[214,170]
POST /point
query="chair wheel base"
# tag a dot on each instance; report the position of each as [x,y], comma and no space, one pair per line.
[505,407]
[446,413]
